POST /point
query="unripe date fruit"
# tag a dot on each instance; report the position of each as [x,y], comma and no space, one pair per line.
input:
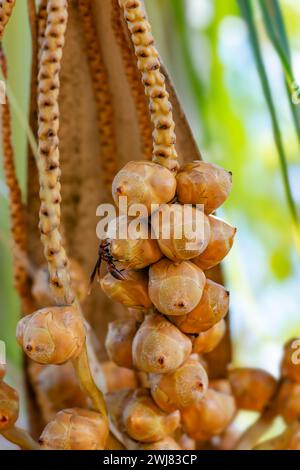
[288,401]
[41,289]
[203,183]
[119,341]
[175,289]
[219,245]
[210,416]
[208,340]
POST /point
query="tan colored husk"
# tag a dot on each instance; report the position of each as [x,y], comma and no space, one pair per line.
[102,92]
[289,439]
[168,443]
[9,406]
[2,371]
[144,183]
[203,183]
[119,341]
[17,208]
[6,9]
[159,346]
[290,368]
[133,78]
[210,416]
[175,289]
[288,401]
[136,251]
[57,388]
[53,335]
[183,387]
[175,227]
[220,242]
[206,341]
[48,162]
[251,388]
[118,378]
[212,307]
[132,291]
[75,429]
[148,63]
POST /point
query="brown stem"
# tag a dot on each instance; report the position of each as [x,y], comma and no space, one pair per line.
[105,111]
[252,435]
[134,80]
[49,162]
[21,438]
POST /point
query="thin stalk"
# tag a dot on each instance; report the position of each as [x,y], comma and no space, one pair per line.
[246,10]
[82,368]
[276,21]
[21,438]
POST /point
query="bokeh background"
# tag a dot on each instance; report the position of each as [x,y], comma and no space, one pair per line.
[206,48]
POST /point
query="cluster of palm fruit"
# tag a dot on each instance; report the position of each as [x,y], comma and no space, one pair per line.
[177,313]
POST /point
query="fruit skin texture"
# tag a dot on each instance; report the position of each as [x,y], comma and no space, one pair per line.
[288,401]
[41,290]
[185,386]
[220,242]
[173,226]
[203,183]
[208,340]
[159,346]
[175,289]
[75,429]
[132,291]
[251,388]
[9,406]
[140,417]
[144,183]
[212,307]
[290,364]
[210,416]
[52,335]
[119,341]
[134,253]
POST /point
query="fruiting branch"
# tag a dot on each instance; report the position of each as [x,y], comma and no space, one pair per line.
[6,9]
[148,63]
